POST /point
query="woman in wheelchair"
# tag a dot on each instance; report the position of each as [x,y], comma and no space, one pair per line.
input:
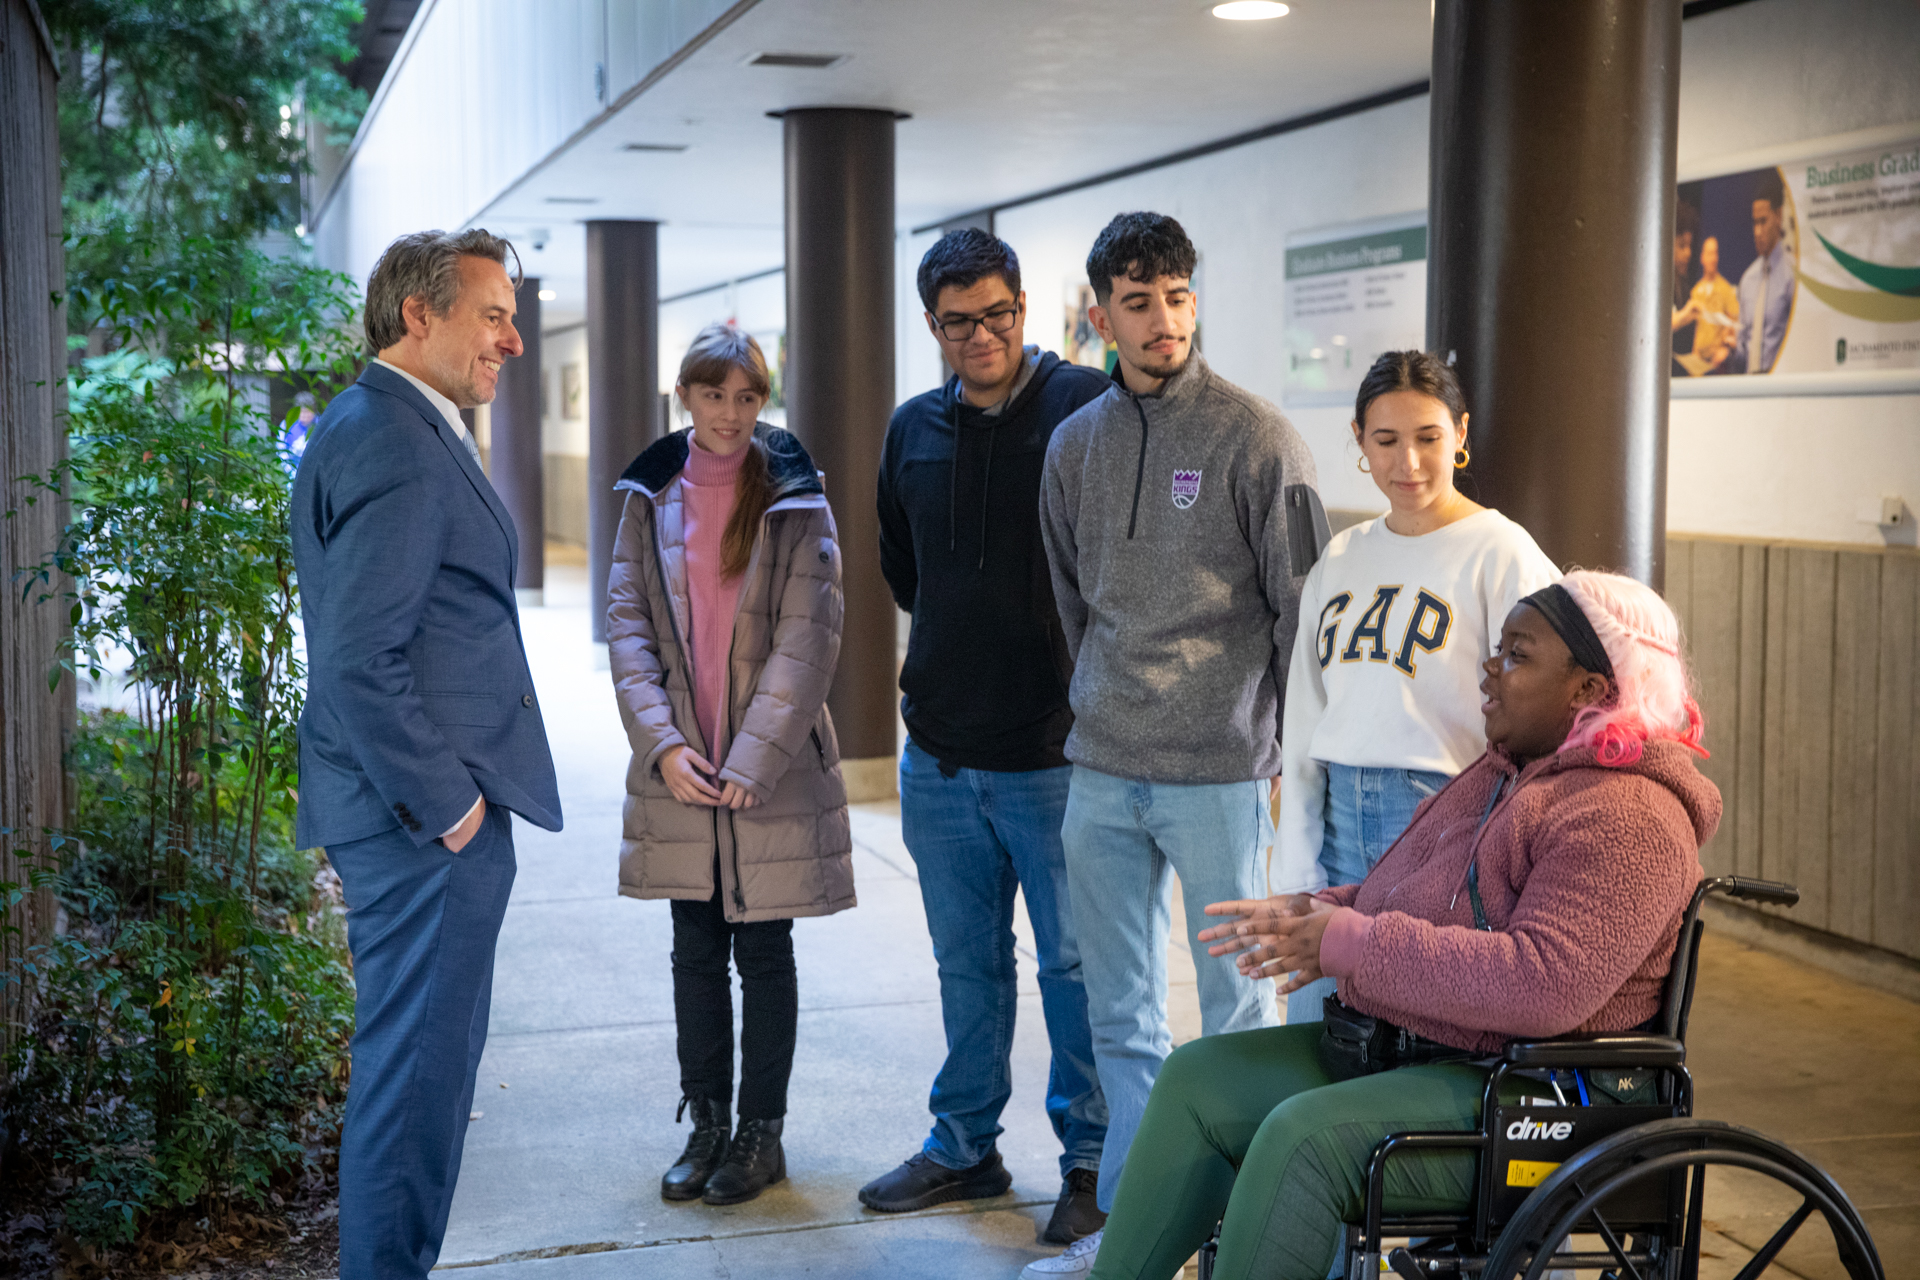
[1538,893]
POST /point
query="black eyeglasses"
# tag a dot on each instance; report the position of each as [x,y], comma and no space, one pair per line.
[961,330]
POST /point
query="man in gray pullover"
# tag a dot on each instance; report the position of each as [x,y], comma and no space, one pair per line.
[1180,519]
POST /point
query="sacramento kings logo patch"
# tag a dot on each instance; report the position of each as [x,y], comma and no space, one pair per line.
[1186,488]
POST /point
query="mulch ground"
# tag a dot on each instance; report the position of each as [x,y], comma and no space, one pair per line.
[304,1244]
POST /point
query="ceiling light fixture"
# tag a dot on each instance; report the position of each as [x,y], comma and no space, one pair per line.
[810,61]
[654,146]
[573,199]
[548,295]
[1249,10]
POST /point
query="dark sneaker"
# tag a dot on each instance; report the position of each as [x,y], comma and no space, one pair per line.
[1075,1215]
[755,1161]
[920,1183]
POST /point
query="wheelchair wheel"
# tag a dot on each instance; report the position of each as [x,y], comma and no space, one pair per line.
[1662,1149]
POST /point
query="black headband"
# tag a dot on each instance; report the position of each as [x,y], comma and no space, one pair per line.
[1556,605]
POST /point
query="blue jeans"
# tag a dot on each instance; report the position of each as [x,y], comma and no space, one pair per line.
[421,923]
[1367,809]
[975,837]
[1121,835]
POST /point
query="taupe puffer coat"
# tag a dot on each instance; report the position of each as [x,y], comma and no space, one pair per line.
[792,854]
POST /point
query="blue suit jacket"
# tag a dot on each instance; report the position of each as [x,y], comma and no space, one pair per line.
[418,693]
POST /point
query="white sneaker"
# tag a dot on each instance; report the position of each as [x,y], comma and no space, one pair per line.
[1074,1264]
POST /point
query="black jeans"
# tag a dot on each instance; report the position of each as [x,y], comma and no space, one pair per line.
[703,1006]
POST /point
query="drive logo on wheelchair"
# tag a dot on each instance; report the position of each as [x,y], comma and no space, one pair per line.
[1527,1128]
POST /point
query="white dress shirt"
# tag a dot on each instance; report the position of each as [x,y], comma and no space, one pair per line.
[448,409]
[450,412]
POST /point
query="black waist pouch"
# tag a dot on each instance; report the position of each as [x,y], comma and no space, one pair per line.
[1353,1044]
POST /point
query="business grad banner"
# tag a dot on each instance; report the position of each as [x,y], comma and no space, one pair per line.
[1811,266]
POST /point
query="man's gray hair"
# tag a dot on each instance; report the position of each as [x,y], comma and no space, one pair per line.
[425,264]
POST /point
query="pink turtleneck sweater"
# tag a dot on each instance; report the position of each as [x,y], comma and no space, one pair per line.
[708,502]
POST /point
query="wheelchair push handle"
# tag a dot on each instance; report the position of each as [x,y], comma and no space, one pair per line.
[1771,892]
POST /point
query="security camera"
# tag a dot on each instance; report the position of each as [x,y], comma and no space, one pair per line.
[540,237]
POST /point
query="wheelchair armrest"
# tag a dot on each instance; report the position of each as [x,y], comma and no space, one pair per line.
[1598,1049]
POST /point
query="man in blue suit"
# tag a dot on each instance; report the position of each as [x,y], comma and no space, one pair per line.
[421,732]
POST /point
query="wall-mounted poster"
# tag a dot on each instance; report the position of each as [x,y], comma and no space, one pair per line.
[1351,293]
[1811,266]
[573,391]
[1081,343]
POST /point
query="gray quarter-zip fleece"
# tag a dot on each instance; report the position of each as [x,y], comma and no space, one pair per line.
[1179,528]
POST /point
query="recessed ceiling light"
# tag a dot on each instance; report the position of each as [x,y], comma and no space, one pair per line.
[654,146]
[811,61]
[1249,10]
[548,295]
[573,199]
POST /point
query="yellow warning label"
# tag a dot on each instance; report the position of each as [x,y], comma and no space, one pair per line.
[1529,1173]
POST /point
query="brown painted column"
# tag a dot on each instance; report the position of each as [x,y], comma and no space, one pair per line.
[514,458]
[839,390]
[1551,207]
[623,381]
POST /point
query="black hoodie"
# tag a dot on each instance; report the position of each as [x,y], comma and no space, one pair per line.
[985,681]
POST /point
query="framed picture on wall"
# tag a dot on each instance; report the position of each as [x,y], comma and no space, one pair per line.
[1808,267]
[573,391]
[1351,292]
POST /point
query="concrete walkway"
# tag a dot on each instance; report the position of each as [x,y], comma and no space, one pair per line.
[579,1082]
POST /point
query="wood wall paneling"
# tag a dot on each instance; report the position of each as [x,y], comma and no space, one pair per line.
[1775,812]
[1806,660]
[1896,763]
[1850,807]
[1750,749]
[1809,728]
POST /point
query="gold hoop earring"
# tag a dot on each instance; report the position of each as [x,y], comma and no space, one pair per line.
[1360,465]
[1461,457]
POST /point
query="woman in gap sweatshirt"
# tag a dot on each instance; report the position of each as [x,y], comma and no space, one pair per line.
[1396,619]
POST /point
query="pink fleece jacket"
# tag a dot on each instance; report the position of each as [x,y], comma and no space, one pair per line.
[1584,871]
[709,480]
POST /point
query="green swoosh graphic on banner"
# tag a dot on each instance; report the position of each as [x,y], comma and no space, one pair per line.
[1904,281]
[1864,304]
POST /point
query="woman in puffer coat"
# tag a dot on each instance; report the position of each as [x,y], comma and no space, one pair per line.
[723,626]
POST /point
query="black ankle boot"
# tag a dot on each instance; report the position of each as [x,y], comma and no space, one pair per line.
[706,1148]
[754,1162]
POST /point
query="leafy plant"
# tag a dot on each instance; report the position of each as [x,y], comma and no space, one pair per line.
[188,1049]
[191,117]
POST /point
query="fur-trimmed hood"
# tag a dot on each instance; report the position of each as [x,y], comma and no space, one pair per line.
[789,465]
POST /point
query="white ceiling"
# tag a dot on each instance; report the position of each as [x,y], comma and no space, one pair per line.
[1007,97]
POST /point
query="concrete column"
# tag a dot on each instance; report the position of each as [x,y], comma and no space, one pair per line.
[623,381]
[515,457]
[1551,207]
[839,390]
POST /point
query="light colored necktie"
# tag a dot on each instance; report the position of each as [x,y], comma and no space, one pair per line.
[466,438]
[1756,362]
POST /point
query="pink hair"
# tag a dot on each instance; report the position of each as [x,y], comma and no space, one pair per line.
[1653,690]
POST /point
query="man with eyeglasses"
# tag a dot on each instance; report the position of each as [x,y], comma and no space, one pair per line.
[983,780]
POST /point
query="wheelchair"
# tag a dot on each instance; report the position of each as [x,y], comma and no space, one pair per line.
[1633,1174]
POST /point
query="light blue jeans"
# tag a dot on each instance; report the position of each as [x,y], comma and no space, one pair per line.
[1367,809]
[1120,837]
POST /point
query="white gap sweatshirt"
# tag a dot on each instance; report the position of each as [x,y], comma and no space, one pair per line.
[1386,664]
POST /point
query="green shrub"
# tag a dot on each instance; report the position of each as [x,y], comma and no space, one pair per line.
[186,1053]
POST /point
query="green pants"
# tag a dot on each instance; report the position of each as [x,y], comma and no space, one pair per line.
[1248,1131]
